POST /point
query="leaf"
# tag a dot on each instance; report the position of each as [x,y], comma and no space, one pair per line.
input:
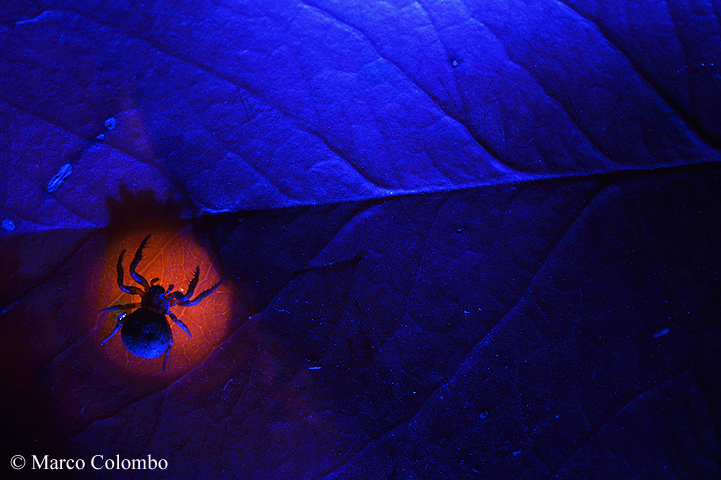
[456,240]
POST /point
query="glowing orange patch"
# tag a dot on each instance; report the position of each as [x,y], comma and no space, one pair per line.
[170,255]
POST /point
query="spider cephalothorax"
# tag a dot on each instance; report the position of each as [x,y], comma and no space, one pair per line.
[146,331]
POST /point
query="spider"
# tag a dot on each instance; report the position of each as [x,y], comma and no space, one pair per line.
[146,331]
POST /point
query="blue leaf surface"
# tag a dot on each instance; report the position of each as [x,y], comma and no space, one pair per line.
[461,239]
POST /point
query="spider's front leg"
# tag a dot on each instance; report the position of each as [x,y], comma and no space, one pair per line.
[200,297]
[178,297]
[136,260]
[125,288]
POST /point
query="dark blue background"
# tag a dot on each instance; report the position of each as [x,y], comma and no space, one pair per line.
[479,239]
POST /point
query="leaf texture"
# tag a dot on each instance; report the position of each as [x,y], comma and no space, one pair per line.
[456,239]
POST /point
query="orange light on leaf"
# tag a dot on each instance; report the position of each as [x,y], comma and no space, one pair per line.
[170,255]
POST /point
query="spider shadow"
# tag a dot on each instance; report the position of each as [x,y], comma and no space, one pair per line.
[142,211]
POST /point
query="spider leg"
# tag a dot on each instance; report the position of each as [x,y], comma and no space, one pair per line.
[121,307]
[191,286]
[131,290]
[136,260]
[115,330]
[176,298]
[165,359]
[200,297]
[179,323]
[118,324]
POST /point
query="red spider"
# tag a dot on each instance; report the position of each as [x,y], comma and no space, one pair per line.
[146,331]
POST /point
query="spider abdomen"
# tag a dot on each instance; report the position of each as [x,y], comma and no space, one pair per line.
[146,333]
